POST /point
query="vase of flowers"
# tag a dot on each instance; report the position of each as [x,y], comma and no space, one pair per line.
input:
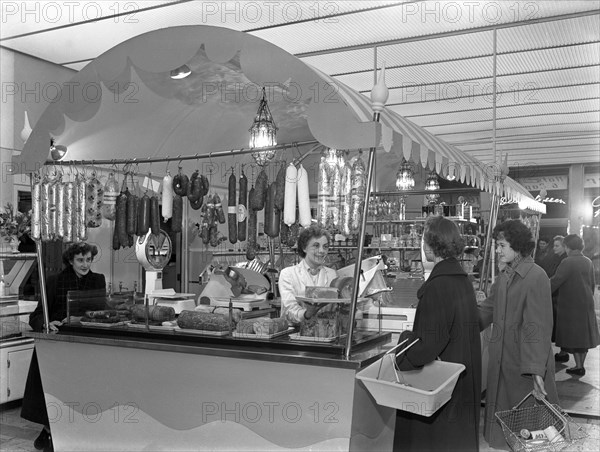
[13,225]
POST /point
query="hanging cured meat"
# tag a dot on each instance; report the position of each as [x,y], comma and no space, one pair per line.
[304,215]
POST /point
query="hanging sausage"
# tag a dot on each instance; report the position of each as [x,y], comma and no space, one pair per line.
[289,207]
[323,192]
[304,215]
[69,216]
[94,192]
[167,196]
[232,209]
[60,210]
[109,198]
[347,198]
[359,186]
[36,208]
[242,207]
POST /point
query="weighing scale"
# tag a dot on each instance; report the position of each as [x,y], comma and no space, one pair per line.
[153,251]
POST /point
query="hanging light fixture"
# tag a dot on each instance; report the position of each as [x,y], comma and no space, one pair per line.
[181,72]
[432,183]
[405,179]
[263,132]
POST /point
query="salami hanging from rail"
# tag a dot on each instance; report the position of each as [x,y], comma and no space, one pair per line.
[167,197]
[94,192]
[304,216]
[109,197]
[36,208]
[359,186]
[232,209]
[242,208]
[289,208]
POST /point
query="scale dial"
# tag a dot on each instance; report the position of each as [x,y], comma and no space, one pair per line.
[154,251]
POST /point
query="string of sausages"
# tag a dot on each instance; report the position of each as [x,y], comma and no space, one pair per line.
[65,210]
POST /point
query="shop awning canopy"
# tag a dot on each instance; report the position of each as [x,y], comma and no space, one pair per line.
[125,105]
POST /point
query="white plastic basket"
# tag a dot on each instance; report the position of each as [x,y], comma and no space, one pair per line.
[422,391]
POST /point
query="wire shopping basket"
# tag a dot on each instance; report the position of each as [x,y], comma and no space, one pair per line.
[539,427]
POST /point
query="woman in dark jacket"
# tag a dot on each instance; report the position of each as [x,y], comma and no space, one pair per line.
[446,323]
[576,324]
[76,276]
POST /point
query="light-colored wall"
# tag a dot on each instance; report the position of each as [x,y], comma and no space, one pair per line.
[30,84]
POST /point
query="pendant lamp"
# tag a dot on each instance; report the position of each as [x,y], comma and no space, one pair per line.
[263,132]
[432,183]
[405,179]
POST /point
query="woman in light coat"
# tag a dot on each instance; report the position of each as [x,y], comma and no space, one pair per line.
[576,324]
[521,358]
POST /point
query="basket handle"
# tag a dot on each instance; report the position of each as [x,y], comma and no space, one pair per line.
[388,353]
[545,402]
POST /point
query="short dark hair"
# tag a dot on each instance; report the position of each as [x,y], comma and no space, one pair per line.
[517,235]
[543,239]
[78,248]
[573,242]
[443,237]
[309,233]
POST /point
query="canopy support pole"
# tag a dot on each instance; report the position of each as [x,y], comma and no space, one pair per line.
[42,276]
[361,241]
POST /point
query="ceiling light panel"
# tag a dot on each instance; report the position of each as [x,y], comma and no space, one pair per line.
[484,132]
[409,20]
[557,58]
[20,18]
[446,72]
[546,34]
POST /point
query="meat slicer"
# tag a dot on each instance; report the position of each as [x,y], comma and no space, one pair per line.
[238,284]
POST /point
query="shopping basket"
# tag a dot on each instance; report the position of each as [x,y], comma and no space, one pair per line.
[542,416]
[422,391]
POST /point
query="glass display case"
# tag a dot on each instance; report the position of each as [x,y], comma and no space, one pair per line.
[15,350]
[232,320]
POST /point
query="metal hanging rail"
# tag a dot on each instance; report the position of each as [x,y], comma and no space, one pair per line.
[197,156]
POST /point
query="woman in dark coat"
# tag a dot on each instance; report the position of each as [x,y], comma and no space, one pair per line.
[521,357]
[446,323]
[76,276]
[550,266]
[576,324]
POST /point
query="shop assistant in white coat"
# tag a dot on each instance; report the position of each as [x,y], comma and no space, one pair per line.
[313,246]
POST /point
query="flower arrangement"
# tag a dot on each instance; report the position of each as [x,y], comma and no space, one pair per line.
[14,224]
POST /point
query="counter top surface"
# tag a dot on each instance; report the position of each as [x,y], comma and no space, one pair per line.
[265,351]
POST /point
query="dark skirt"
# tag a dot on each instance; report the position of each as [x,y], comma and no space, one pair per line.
[33,407]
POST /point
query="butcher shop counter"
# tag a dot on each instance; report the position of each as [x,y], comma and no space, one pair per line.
[107,390]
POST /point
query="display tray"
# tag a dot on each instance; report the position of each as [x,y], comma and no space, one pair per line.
[153,327]
[297,337]
[330,300]
[262,336]
[199,332]
[104,325]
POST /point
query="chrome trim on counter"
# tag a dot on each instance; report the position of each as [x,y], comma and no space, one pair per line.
[357,360]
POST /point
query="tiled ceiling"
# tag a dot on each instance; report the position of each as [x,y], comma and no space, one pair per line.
[442,58]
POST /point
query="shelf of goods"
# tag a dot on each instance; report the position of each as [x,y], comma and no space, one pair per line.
[15,349]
